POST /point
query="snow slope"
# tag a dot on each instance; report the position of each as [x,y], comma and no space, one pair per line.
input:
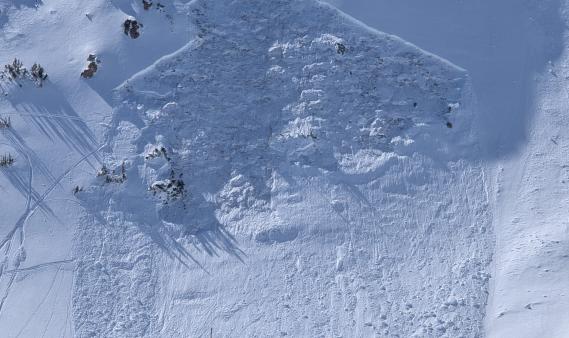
[329,187]
[55,135]
[530,291]
[515,52]
[323,195]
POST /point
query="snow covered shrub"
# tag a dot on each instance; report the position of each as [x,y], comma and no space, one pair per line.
[157,152]
[6,160]
[169,189]
[103,171]
[114,176]
[38,74]
[131,27]
[90,70]
[16,69]
[341,48]
[92,66]
[5,122]
[147,4]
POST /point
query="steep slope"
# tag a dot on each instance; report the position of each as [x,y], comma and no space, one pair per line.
[288,172]
[55,134]
[530,295]
[515,53]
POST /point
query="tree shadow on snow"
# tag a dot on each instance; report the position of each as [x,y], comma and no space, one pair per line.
[48,110]
[196,228]
[180,242]
[22,180]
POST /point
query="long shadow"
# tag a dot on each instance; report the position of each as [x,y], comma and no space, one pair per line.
[21,180]
[201,231]
[48,110]
[502,44]
[210,239]
[22,147]
[180,228]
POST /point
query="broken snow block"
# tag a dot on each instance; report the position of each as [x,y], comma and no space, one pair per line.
[146,4]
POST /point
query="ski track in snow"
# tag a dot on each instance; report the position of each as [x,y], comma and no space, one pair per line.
[65,111]
[19,228]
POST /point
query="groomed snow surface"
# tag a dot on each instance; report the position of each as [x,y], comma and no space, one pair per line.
[250,168]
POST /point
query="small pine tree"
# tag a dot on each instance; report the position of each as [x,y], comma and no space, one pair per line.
[15,69]
[6,160]
[38,74]
[5,122]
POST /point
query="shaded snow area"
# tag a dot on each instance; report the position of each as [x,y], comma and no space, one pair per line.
[288,172]
[530,295]
[516,55]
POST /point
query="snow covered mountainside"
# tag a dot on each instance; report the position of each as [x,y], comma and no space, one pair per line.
[249,168]
[310,179]
[516,55]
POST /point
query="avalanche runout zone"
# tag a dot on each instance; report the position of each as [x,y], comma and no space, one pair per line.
[329,187]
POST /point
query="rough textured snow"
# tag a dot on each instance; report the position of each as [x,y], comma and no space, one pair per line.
[325,194]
